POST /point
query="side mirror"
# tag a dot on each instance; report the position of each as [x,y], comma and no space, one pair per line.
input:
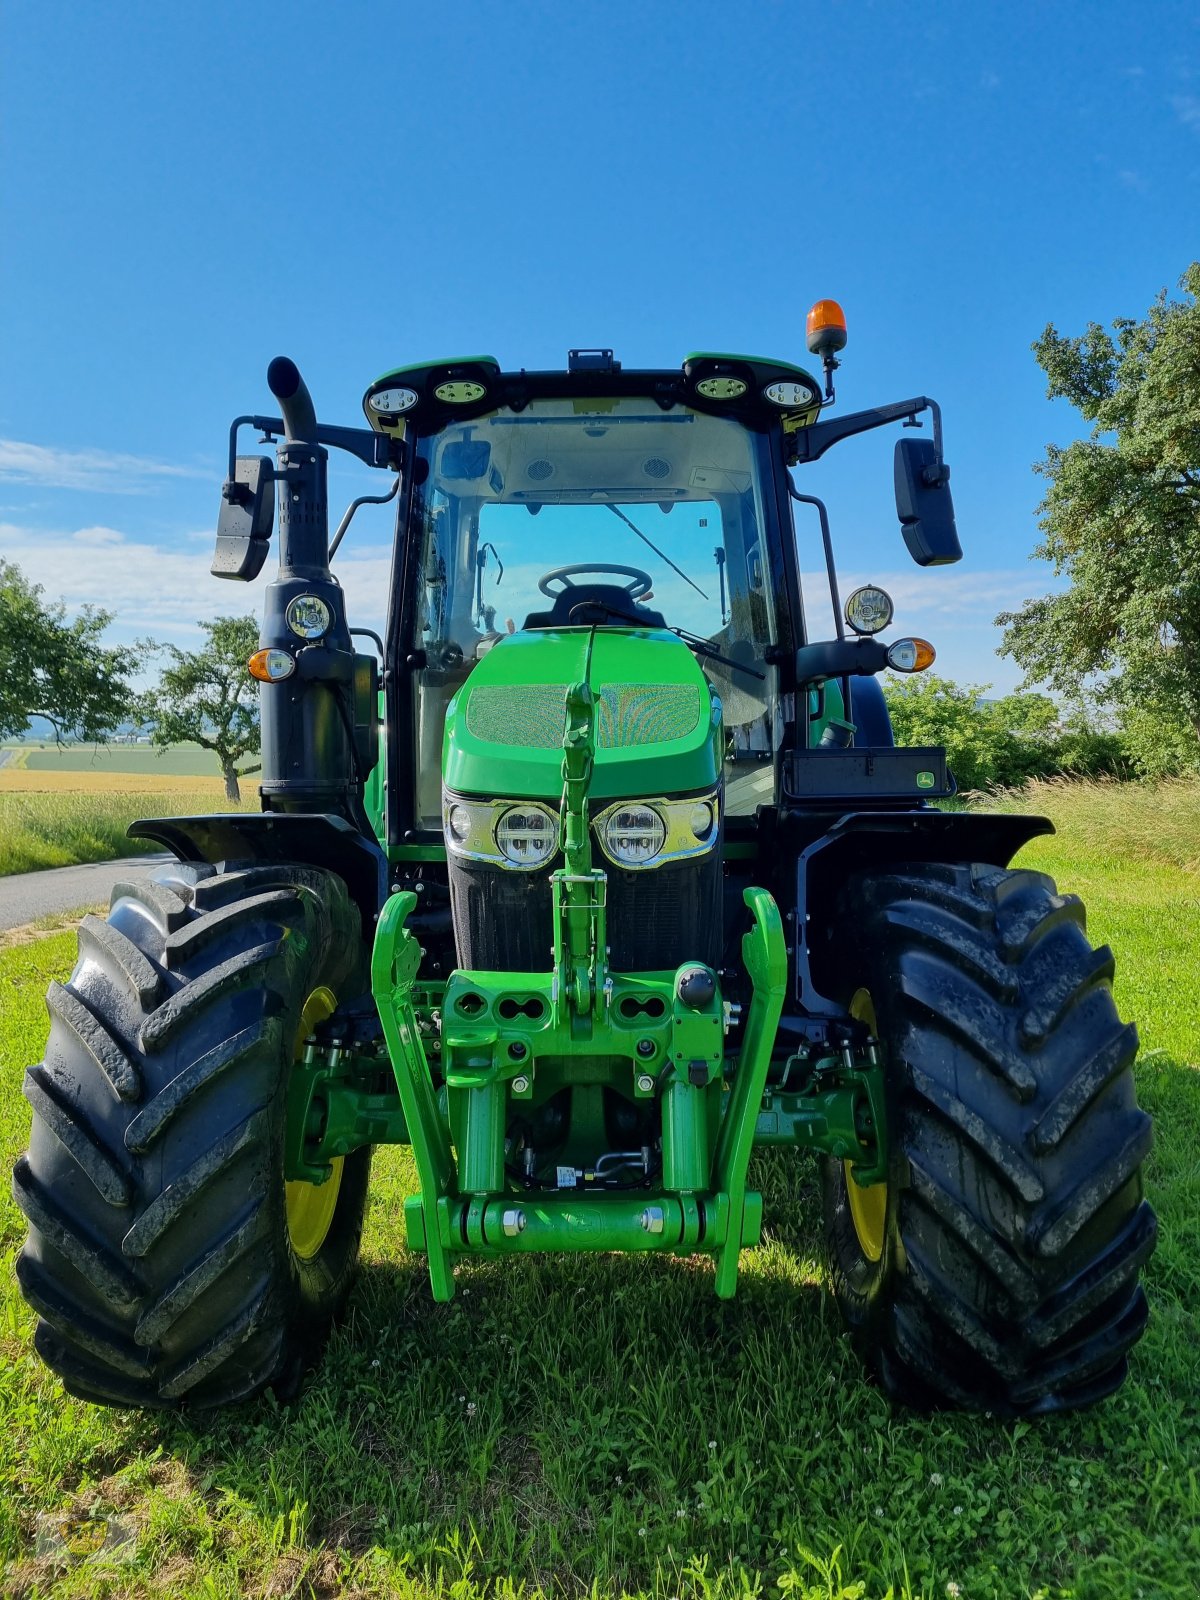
[923,504]
[247,516]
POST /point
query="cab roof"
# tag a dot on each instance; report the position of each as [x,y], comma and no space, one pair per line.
[754,390]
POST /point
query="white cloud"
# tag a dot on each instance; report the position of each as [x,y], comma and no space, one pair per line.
[1187,108]
[98,536]
[103,471]
[163,589]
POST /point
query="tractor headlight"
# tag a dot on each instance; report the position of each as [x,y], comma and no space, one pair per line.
[527,836]
[520,834]
[650,833]
[632,835]
[308,616]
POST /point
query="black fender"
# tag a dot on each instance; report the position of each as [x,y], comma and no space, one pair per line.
[869,713]
[881,841]
[318,839]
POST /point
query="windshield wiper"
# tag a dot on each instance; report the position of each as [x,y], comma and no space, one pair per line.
[617,512]
[579,615]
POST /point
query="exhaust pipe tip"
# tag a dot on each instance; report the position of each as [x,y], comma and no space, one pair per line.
[295,402]
[283,377]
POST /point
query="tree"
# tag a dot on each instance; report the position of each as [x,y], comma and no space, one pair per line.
[1121,520]
[926,709]
[56,669]
[208,697]
[1001,742]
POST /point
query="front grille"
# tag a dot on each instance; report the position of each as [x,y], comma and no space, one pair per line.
[627,714]
[657,919]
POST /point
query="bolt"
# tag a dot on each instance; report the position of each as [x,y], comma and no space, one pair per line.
[645,1047]
[513,1223]
[645,1084]
[520,1085]
[652,1219]
[516,1050]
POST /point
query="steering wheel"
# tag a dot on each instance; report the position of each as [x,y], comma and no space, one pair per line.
[642,581]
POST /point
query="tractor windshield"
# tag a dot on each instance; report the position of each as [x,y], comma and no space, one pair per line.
[674,498]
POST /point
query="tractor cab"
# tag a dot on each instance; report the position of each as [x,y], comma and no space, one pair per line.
[592,499]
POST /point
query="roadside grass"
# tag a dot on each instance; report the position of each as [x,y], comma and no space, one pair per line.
[57,824]
[605,1426]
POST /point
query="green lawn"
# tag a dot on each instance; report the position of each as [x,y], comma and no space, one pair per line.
[606,1426]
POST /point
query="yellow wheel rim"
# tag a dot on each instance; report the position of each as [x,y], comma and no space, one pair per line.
[868,1207]
[310,1206]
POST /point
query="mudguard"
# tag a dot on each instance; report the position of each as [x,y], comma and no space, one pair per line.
[881,841]
[320,839]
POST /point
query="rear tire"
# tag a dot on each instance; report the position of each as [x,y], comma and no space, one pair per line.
[159,1256]
[1004,1272]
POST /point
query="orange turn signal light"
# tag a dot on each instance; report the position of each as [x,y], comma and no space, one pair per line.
[911,655]
[825,330]
[270,666]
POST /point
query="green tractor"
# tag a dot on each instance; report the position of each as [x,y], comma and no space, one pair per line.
[598,871]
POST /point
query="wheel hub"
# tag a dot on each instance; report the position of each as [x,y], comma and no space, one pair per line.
[868,1206]
[310,1206]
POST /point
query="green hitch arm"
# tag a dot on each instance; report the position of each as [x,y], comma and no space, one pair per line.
[579,929]
[765,956]
[578,756]
[394,962]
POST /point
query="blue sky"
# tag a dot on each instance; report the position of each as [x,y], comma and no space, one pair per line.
[187,191]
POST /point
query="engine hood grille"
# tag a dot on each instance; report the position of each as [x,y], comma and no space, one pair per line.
[657,723]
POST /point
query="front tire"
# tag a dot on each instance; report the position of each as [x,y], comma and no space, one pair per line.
[163,1258]
[1001,1272]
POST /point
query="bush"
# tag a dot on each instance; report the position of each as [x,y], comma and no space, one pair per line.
[1000,743]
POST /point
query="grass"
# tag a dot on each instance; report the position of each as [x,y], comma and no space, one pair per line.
[58,819]
[1116,823]
[605,1426]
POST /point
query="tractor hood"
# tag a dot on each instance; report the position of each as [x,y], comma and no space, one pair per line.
[658,725]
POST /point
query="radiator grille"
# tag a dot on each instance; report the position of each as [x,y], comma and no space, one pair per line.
[645,713]
[656,920]
[533,715]
[627,714]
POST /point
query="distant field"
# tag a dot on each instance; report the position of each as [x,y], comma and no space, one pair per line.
[22,780]
[56,817]
[182,760]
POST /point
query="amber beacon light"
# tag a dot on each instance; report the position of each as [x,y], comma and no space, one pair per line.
[825,331]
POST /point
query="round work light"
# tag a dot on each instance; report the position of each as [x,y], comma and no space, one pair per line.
[308,616]
[869,609]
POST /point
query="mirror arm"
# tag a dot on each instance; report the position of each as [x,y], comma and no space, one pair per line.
[827,541]
[840,658]
[363,500]
[811,443]
[371,448]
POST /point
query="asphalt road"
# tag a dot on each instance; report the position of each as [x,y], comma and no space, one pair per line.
[28,895]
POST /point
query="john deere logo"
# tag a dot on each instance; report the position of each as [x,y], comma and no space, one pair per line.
[82,1534]
[925,780]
